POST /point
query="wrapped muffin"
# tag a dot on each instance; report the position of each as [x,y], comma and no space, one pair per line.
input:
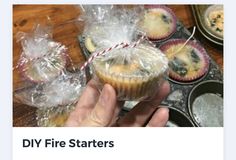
[42,59]
[135,73]
[134,69]
[108,25]
[42,64]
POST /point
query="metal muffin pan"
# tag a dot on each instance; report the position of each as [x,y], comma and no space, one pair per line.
[205,104]
[178,118]
[178,98]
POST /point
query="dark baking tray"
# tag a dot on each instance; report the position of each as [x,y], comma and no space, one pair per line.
[198,14]
[179,91]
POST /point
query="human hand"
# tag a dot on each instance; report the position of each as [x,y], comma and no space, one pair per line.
[102,109]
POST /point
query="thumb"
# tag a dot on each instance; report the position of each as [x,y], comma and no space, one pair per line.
[103,112]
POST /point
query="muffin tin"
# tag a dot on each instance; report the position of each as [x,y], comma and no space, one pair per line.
[178,118]
[210,95]
[178,98]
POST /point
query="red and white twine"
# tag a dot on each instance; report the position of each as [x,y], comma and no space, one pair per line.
[96,54]
[120,45]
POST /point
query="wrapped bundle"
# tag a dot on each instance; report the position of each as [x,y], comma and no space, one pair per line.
[43,64]
[121,56]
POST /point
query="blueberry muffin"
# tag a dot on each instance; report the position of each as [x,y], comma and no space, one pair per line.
[186,64]
[158,22]
[214,19]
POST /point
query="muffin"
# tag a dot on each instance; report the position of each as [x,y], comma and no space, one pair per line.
[214,19]
[135,73]
[93,33]
[44,69]
[158,22]
[102,36]
[186,64]
[89,44]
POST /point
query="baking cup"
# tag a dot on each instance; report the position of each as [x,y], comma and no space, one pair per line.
[49,72]
[131,88]
[159,33]
[201,54]
[135,85]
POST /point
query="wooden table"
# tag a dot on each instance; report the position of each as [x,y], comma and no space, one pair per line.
[63,18]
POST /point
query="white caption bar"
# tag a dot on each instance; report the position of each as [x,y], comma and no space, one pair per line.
[128,143]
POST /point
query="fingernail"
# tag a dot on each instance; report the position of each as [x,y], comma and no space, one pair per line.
[166,107]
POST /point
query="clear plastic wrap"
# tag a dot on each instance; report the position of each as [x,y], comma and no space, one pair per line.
[109,25]
[135,73]
[135,69]
[53,116]
[42,65]
[42,59]
[63,90]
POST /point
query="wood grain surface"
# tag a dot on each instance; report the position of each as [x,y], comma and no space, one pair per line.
[66,28]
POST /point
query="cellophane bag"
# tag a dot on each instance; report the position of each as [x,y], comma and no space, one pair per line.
[63,90]
[43,65]
[128,61]
[42,59]
[108,25]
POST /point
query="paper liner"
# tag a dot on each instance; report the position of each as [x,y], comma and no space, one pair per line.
[164,36]
[204,57]
[128,88]
[207,20]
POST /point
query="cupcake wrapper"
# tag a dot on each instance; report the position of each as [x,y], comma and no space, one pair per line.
[131,88]
[204,58]
[171,32]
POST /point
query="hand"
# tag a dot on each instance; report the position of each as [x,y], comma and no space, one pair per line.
[102,109]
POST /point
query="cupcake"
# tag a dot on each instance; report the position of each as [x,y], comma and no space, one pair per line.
[42,59]
[89,44]
[186,62]
[102,36]
[92,35]
[158,22]
[135,73]
[44,69]
[214,20]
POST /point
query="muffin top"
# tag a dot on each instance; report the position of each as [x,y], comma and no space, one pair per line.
[214,18]
[158,22]
[187,63]
[141,61]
